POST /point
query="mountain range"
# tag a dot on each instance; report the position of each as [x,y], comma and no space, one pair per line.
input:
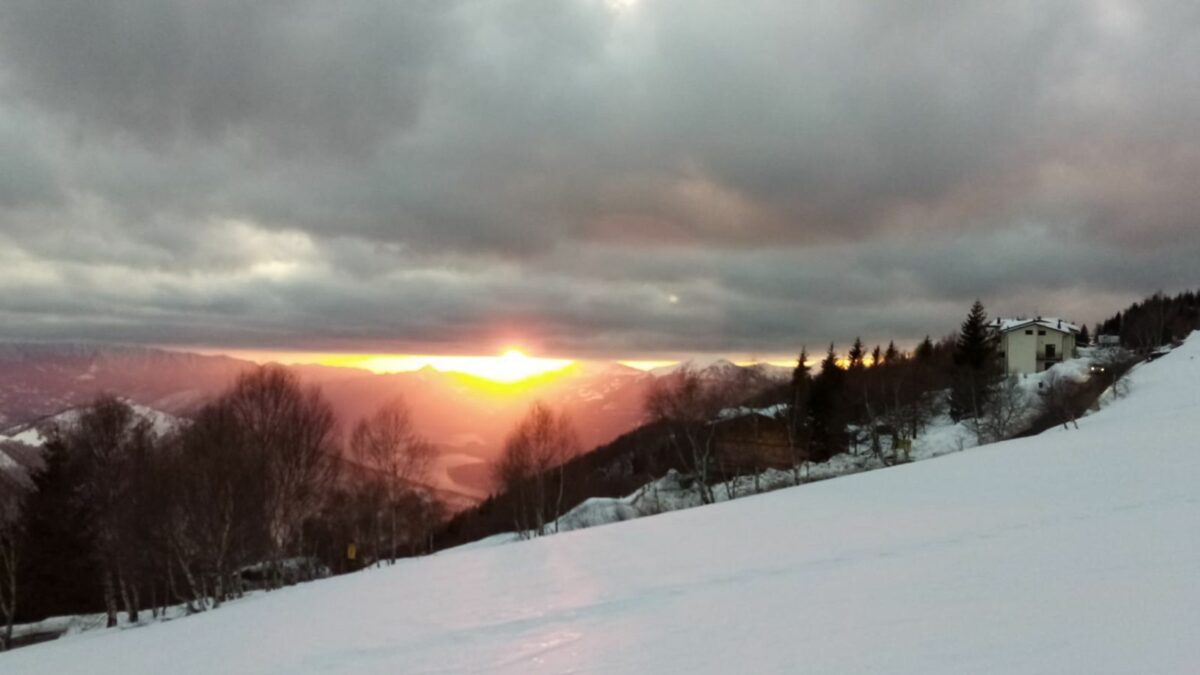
[465,416]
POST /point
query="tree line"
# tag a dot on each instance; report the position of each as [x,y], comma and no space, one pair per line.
[1156,321]
[256,490]
[865,400]
[540,475]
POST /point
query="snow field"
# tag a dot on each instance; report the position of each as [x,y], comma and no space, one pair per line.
[1073,551]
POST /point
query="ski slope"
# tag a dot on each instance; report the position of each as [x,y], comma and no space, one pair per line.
[1071,552]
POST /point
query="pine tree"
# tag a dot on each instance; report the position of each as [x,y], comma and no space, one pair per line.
[891,355]
[924,352]
[799,412]
[856,355]
[976,346]
[976,365]
[877,356]
[57,569]
[827,416]
[800,373]
[1084,338]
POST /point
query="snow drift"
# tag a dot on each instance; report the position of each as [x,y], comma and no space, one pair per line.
[1073,551]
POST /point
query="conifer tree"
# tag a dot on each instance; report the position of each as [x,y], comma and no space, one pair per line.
[58,552]
[855,357]
[891,355]
[800,373]
[975,347]
[829,363]
[828,417]
[976,366]
[798,412]
[924,351]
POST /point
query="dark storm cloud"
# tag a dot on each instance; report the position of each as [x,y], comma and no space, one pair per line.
[294,76]
[591,176]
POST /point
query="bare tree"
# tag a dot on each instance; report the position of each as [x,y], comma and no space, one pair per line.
[1004,412]
[10,543]
[690,407]
[1112,365]
[112,442]
[291,430]
[532,467]
[1063,398]
[420,514]
[217,523]
[388,444]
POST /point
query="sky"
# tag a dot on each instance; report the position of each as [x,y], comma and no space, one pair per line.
[627,179]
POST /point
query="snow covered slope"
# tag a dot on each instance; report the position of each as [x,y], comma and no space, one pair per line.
[1074,551]
[34,433]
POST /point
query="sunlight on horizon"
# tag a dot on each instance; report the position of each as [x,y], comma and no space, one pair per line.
[649,364]
[510,367]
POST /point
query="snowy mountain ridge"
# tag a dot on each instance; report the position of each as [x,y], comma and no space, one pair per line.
[34,433]
[718,367]
[21,446]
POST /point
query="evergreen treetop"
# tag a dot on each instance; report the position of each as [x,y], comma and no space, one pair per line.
[924,352]
[856,354]
[976,345]
[891,354]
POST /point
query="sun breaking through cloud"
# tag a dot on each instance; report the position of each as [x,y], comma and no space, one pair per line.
[416,178]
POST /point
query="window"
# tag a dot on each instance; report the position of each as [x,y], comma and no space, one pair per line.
[1050,351]
[1041,332]
[1029,332]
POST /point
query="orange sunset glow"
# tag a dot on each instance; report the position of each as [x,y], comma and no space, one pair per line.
[513,365]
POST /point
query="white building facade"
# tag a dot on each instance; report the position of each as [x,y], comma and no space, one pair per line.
[1034,345]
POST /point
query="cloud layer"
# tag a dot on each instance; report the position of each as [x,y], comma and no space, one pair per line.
[593,178]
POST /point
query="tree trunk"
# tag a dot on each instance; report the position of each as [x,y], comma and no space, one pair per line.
[136,596]
[558,503]
[110,600]
[392,559]
[8,598]
[193,586]
[218,589]
[126,597]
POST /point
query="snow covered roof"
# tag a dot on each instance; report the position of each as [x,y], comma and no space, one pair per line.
[1006,325]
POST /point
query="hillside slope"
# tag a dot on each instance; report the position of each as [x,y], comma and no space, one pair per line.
[1073,551]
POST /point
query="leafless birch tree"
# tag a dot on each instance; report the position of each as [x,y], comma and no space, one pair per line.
[291,429]
[532,467]
[690,407]
[388,444]
[10,543]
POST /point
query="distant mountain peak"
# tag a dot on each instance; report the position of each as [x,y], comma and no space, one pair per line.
[701,364]
[601,369]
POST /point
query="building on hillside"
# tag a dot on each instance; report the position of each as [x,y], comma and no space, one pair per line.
[748,441]
[1034,345]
